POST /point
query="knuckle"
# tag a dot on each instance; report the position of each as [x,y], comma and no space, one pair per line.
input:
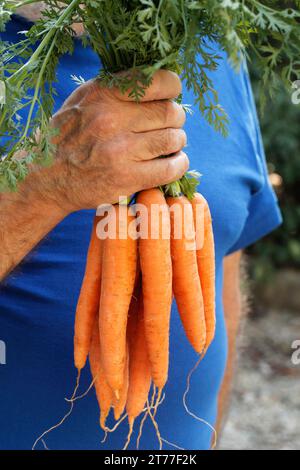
[75,96]
[171,171]
[174,140]
[172,82]
[170,112]
[65,113]
[181,115]
[176,167]
[67,120]
[177,84]
[183,138]
[185,162]
[86,88]
[174,114]
[91,91]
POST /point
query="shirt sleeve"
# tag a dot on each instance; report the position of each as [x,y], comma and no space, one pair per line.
[264,216]
[263,211]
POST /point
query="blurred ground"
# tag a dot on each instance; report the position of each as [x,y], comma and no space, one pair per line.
[265,409]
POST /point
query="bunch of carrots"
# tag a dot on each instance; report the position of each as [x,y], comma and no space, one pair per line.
[123,314]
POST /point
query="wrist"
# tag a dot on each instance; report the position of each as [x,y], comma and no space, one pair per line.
[39,192]
[27,216]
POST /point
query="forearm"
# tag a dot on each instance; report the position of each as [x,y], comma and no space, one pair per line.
[226,388]
[232,303]
[26,217]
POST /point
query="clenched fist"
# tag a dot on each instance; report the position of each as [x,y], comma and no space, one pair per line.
[108,145]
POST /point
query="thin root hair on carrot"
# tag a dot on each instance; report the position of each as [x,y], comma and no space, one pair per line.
[40,438]
[104,437]
[153,406]
[107,429]
[44,444]
[161,400]
[172,444]
[76,385]
[189,376]
[131,423]
[157,401]
[193,415]
[155,425]
[79,397]
[141,428]
[64,418]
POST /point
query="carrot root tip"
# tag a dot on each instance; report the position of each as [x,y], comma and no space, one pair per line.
[105,437]
[103,416]
[117,415]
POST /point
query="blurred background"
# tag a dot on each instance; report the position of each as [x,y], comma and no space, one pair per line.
[265,407]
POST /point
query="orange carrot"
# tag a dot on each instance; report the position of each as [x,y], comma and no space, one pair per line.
[104,393]
[186,282]
[88,303]
[206,266]
[156,267]
[119,263]
[139,365]
[119,405]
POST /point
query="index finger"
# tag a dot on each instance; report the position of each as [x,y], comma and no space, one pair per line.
[164,85]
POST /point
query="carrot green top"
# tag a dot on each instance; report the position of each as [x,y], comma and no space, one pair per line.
[143,36]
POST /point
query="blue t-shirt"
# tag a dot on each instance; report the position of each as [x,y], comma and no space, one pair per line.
[38,299]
